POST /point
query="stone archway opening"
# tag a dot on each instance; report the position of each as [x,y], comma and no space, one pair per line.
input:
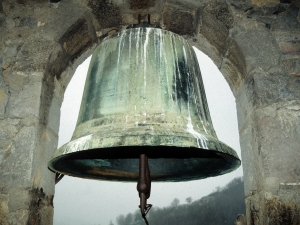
[255,44]
[105,201]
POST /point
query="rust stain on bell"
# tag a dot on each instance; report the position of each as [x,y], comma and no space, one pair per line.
[144,95]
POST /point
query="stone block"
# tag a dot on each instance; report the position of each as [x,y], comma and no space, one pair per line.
[10,23]
[17,167]
[251,162]
[265,14]
[28,22]
[6,63]
[278,138]
[11,50]
[180,20]
[292,66]
[266,94]
[41,175]
[35,45]
[233,66]
[16,80]
[8,130]
[19,217]
[54,115]
[215,24]
[18,199]
[25,206]
[107,13]
[1,61]
[54,19]
[290,47]
[286,26]
[141,4]
[77,39]
[2,18]
[259,47]
[241,4]
[290,191]
[264,2]
[241,220]
[279,212]
[272,184]
[41,207]
[3,102]
[26,102]
[247,132]
[273,87]
[4,211]
[254,208]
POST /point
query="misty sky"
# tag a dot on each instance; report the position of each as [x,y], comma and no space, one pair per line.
[89,202]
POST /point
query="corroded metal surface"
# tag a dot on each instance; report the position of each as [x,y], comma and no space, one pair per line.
[144,94]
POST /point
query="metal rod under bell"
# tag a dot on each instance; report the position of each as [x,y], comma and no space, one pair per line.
[144,186]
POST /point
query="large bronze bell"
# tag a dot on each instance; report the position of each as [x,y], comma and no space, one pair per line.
[144,95]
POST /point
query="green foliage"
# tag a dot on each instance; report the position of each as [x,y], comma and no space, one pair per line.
[175,202]
[188,200]
[219,208]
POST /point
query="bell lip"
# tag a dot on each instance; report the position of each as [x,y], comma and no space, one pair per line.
[96,141]
[232,164]
[223,151]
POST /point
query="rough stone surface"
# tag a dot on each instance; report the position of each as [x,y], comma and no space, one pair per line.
[280,212]
[255,43]
[26,102]
[240,220]
[18,155]
[3,102]
[25,206]
[107,13]
[258,38]
[233,66]
[76,40]
[181,18]
[215,25]
[290,47]
[292,66]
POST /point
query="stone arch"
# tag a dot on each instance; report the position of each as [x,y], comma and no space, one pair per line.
[254,43]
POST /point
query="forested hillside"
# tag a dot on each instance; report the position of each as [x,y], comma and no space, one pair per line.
[219,208]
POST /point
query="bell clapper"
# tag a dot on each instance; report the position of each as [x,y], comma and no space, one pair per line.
[144,186]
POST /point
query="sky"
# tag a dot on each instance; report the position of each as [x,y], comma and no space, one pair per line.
[88,202]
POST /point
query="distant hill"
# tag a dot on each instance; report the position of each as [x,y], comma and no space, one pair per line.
[219,208]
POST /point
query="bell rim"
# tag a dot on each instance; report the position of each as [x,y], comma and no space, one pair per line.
[226,153]
[182,139]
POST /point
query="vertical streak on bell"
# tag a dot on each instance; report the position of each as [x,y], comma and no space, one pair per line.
[151,76]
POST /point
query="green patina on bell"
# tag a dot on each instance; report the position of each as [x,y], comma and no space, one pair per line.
[144,95]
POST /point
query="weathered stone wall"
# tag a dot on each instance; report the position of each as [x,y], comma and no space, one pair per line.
[254,43]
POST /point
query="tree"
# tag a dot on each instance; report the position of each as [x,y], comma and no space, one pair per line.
[121,220]
[188,200]
[218,208]
[175,202]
